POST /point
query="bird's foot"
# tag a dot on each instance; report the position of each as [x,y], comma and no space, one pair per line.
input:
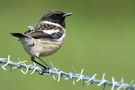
[45,69]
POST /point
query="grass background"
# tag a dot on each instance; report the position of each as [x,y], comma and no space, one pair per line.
[100,39]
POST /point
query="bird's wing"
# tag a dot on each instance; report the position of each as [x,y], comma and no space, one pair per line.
[39,34]
[48,31]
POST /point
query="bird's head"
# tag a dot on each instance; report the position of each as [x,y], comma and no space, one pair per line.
[56,17]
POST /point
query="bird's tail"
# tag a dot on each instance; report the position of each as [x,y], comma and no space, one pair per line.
[18,35]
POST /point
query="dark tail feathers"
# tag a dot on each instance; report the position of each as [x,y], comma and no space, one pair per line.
[18,35]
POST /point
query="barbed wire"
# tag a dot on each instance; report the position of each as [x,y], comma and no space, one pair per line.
[53,71]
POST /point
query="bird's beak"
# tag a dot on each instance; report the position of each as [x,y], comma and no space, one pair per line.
[67,14]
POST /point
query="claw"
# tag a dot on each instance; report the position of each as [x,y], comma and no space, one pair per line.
[45,70]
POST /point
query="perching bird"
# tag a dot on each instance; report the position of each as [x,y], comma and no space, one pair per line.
[46,37]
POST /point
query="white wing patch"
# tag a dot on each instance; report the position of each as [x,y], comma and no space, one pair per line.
[50,31]
[31,27]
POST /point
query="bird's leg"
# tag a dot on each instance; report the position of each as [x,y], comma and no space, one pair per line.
[43,61]
[33,59]
[44,67]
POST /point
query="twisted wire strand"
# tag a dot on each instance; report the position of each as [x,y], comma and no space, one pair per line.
[53,71]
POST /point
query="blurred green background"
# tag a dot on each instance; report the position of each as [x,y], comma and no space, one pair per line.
[100,39]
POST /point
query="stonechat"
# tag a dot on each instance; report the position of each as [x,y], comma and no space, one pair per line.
[46,37]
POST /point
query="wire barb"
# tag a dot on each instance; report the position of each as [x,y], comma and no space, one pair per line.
[103,81]
[53,71]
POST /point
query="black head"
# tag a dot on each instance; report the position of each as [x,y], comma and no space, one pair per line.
[56,17]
